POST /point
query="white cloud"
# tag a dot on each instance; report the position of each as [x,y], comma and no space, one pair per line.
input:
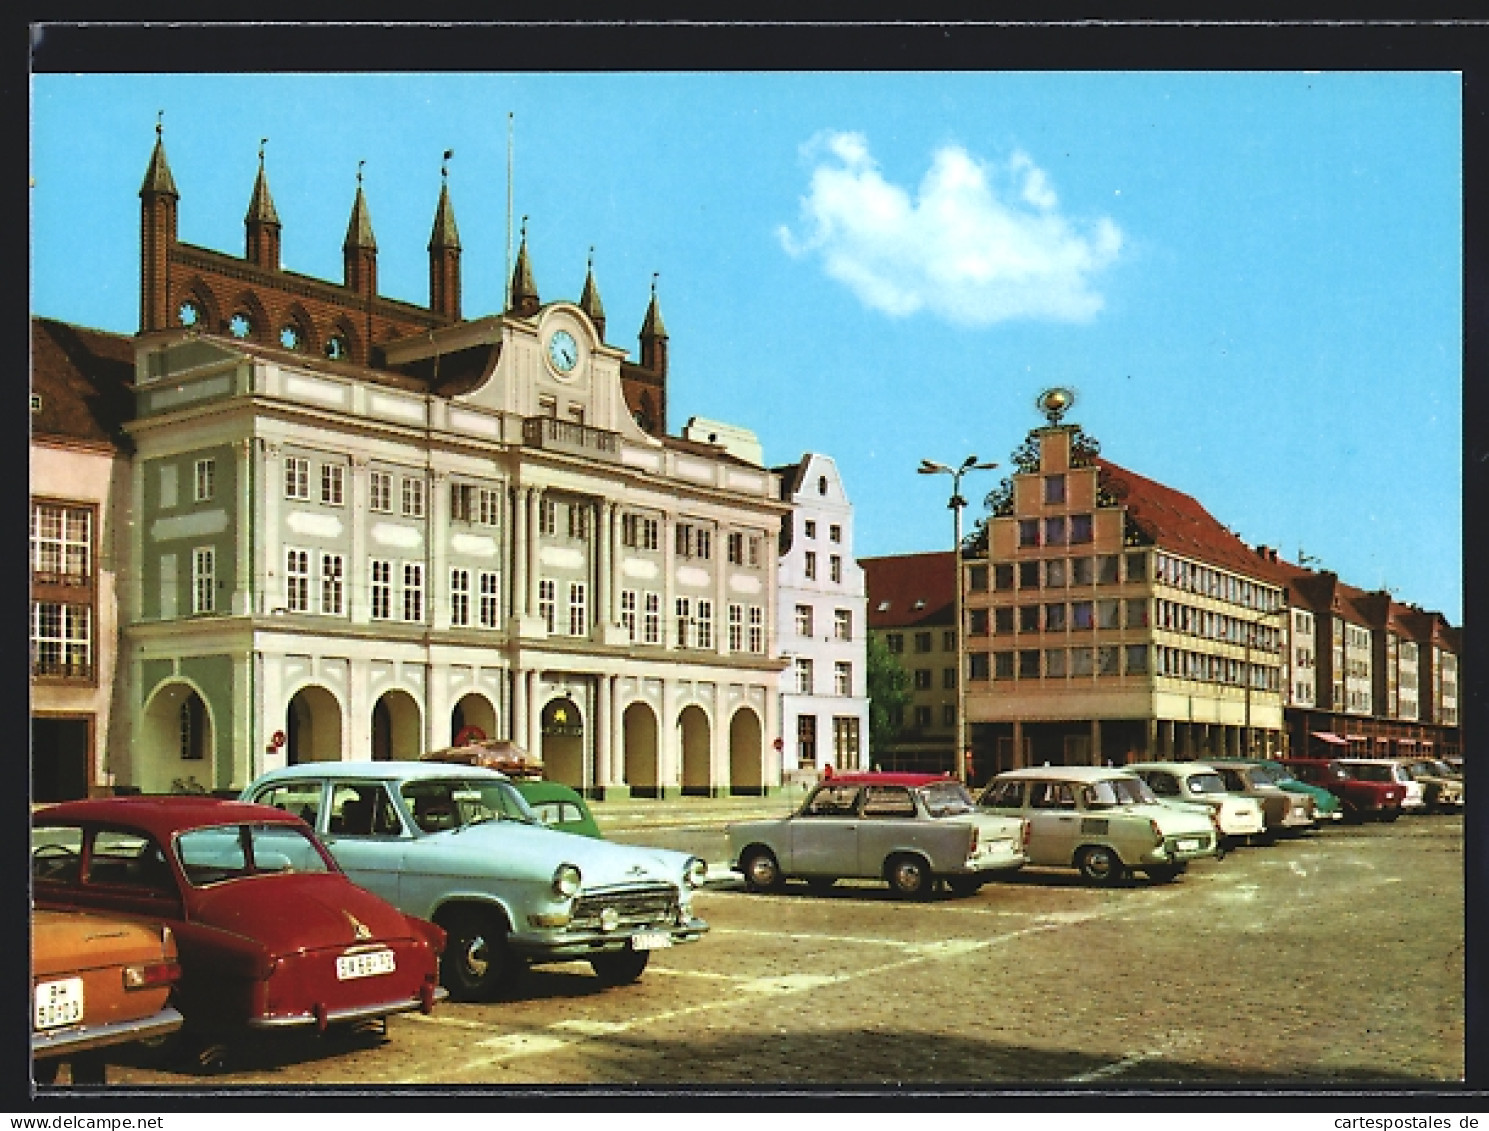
[979,243]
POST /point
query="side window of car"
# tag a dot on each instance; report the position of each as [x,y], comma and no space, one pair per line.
[302,798]
[833,801]
[56,854]
[888,801]
[1051,795]
[1233,782]
[363,810]
[1005,795]
[1162,784]
[556,812]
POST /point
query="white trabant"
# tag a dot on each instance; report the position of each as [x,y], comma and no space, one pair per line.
[1102,820]
[1237,816]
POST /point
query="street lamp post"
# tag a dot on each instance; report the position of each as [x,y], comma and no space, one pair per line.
[931,467]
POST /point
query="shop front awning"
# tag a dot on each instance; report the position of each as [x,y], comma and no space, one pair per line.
[1406,742]
[1330,737]
[1357,738]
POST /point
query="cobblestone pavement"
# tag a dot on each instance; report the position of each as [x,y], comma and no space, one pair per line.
[1335,959]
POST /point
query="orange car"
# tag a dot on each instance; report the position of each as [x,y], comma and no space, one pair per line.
[97,980]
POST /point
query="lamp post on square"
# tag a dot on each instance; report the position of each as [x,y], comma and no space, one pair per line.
[931,467]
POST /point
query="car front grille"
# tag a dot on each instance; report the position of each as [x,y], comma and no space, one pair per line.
[639,906]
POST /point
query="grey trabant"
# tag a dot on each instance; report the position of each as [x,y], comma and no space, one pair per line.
[458,845]
[1104,821]
[911,830]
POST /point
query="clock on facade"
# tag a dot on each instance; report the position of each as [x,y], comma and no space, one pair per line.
[563,351]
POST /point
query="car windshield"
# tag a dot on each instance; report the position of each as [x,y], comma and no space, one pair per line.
[441,804]
[1367,772]
[946,799]
[1117,791]
[1440,768]
[1204,783]
[218,853]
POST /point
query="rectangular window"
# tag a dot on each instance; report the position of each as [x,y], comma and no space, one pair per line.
[683,612]
[1081,572]
[977,579]
[1003,575]
[1080,529]
[490,598]
[1055,573]
[834,533]
[752,551]
[842,678]
[1054,488]
[845,739]
[547,517]
[1108,660]
[488,506]
[977,666]
[1002,620]
[380,492]
[1028,532]
[1054,531]
[206,473]
[1137,612]
[682,540]
[1028,575]
[1029,663]
[922,717]
[803,620]
[651,621]
[546,600]
[62,543]
[705,623]
[736,628]
[1137,566]
[203,579]
[61,639]
[333,484]
[628,612]
[380,588]
[413,497]
[842,624]
[948,679]
[638,532]
[413,590]
[1082,614]
[922,679]
[333,585]
[734,546]
[803,677]
[948,640]
[895,642]
[1028,618]
[1108,613]
[835,569]
[578,609]
[578,521]
[1054,663]
[948,715]
[705,544]
[1054,618]
[757,629]
[1002,665]
[296,478]
[811,565]
[1081,661]
[462,501]
[922,641]
[811,528]
[297,581]
[1108,568]
[459,597]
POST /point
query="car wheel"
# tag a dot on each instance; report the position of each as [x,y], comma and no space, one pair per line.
[1353,816]
[1389,814]
[89,1068]
[1164,873]
[619,967]
[476,961]
[1101,865]
[45,1071]
[761,872]
[909,876]
[964,885]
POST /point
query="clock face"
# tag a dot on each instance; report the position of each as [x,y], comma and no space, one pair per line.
[563,351]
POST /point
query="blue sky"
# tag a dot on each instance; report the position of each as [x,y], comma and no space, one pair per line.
[1253,280]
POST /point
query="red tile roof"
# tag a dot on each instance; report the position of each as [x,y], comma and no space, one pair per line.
[910,590]
[85,380]
[1174,521]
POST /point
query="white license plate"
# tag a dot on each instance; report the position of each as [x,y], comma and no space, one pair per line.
[59,1003]
[368,964]
[650,940]
[1189,845]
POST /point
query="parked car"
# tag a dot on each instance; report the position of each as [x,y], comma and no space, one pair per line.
[1326,807]
[270,933]
[1286,813]
[910,830]
[1104,821]
[558,806]
[1236,815]
[1361,800]
[1414,796]
[97,981]
[458,845]
[1442,788]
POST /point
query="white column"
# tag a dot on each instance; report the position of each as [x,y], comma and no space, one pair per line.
[604,699]
[517,573]
[438,587]
[603,612]
[534,536]
[243,587]
[269,567]
[617,735]
[358,575]
[517,713]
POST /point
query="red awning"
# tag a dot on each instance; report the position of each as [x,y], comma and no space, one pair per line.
[1356,738]
[1329,736]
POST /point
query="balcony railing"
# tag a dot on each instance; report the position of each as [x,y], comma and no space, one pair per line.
[50,667]
[552,434]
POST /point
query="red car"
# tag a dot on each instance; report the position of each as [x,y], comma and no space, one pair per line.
[1362,800]
[271,934]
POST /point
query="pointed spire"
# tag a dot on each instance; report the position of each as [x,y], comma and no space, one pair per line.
[261,205]
[262,221]
[652,327]
[445,234]
[589,301]
[359,229]
[158,179]
[524,290]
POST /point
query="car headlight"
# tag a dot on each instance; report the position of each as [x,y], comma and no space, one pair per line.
[566,880]
[696,873]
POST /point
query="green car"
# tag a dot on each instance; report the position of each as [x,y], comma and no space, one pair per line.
[558,806]
[1326,807]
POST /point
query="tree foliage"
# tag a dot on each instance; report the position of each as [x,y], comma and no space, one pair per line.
[889,695]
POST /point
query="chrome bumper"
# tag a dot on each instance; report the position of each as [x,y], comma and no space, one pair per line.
[346,1016]
[65,1042]
[583,944]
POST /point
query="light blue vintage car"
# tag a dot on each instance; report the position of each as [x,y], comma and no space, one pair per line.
[458,845]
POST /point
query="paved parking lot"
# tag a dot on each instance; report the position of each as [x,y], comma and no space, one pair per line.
[1333,959]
